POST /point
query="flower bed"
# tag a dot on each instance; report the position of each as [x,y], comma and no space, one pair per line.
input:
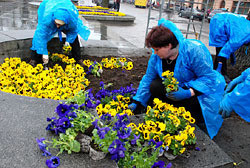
[165,129]
[99,12]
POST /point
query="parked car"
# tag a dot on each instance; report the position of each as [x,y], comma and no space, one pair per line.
[195,14]
[213,12]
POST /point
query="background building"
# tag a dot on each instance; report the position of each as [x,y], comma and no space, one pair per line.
[244,6]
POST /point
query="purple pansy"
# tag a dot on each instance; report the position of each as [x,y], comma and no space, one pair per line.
[124,132]
[53,162]
[159,164]
[102,132]
[62,110]
[43,146]
[116,149]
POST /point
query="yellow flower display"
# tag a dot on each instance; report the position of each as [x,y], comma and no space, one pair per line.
[20,78]
[63,58]
[170,124]
[114,107]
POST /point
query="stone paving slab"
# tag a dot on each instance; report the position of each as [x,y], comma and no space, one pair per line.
[4,37]
[22,120]
[19,34]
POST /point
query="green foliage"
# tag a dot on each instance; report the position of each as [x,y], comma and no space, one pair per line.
[79,98]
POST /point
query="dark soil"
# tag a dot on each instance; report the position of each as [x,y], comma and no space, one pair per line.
[119,77]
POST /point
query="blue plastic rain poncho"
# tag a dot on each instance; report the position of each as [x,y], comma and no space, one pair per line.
[64,10]
[238,99]
[229,31]
[193,69]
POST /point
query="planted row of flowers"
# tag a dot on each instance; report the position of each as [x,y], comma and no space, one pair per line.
[95,68]
[99,12]
[91,7]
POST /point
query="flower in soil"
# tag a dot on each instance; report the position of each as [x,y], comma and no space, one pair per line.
[55,57]
[117,149]
[53,162]
[43,147]
[170,83]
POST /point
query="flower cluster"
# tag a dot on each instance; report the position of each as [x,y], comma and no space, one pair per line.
[119,105]
[117,63]
[99,12]
[20,78]
[170,83]
[93,67]
[169,124]
[62,58]
[67,49]
[115,136]
[66,115]
[71,120]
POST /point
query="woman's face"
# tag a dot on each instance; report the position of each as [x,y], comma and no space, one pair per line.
[58,25]
[166,52]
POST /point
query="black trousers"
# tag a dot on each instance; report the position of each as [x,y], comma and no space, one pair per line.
[118,6]
[192,104]
[75,52]
[220,59]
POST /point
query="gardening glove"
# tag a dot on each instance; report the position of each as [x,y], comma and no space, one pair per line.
[219,67]
[45,59]
[179,95]
[233,84]
[225,108]
[66,44]
[132,106]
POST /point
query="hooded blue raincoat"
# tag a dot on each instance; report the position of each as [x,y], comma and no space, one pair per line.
[193,69]
[64,10]
[239,97]
[229,31]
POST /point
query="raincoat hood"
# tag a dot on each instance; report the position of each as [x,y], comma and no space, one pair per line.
[64,10]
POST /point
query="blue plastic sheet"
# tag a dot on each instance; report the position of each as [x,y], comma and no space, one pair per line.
[239,97]
[194,68]
[64,10]
[229,31]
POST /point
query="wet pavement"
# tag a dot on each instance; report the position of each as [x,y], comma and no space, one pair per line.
[22,15]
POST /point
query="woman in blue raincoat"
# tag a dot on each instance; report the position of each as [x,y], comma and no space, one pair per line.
[200,87]
[236,97]
[56,17]
[228,32]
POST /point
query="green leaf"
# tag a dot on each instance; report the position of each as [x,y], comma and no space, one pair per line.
[76,146]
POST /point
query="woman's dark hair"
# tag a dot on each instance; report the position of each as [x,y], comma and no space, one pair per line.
[161,36]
